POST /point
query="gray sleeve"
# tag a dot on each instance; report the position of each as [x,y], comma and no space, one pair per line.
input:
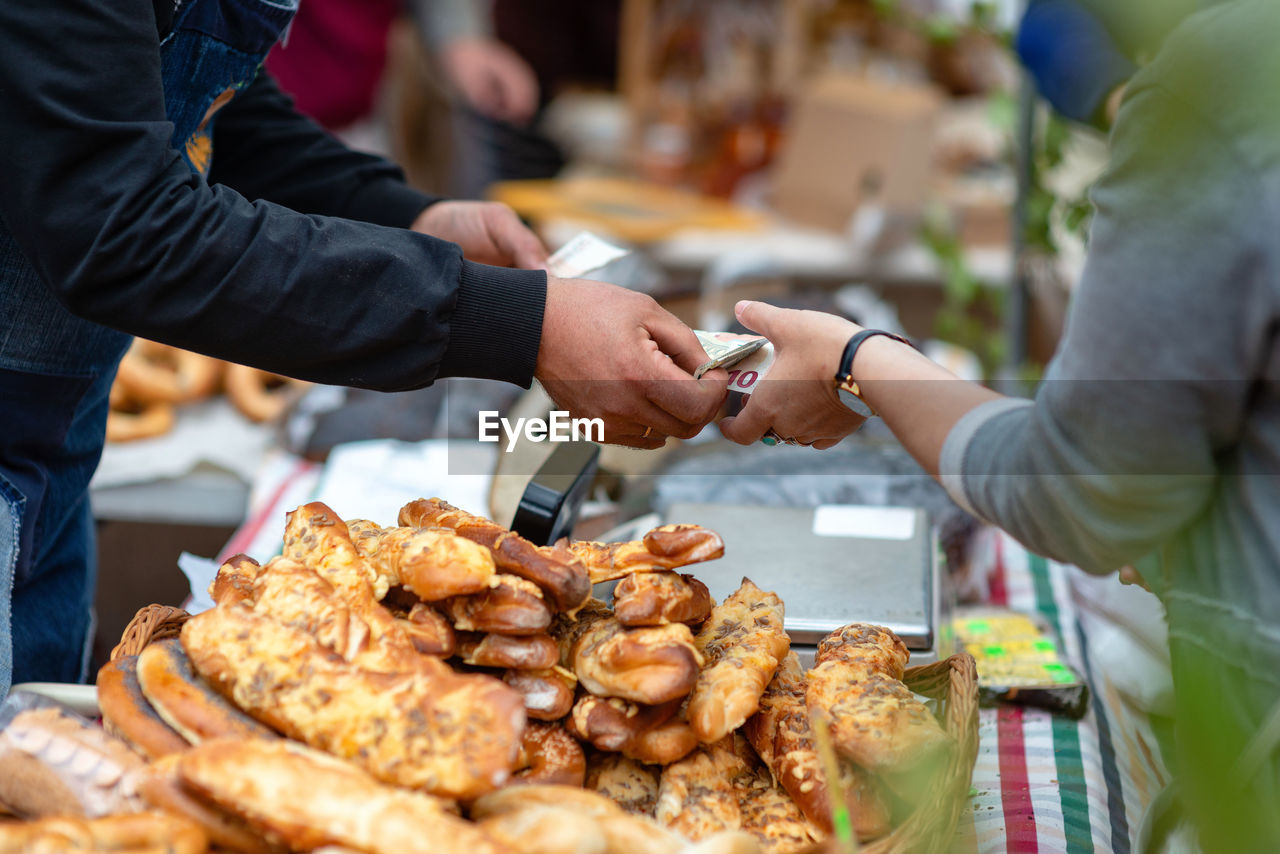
[443,21]
[1151,381]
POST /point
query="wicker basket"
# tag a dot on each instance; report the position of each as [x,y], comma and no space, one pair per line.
[152,623]
[953,682]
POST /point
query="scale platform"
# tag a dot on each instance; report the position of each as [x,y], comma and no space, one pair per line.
[832,565]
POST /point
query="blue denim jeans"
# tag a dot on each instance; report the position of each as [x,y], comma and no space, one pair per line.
[56,371]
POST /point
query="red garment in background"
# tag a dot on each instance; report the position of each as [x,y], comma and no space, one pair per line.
[332,58]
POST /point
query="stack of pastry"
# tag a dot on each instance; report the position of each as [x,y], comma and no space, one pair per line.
[446,665]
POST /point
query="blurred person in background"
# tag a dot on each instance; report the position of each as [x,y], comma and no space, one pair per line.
[508,60]
[502,62]
[1154,440]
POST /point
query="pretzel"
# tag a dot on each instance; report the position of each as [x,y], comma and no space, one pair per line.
[145,833]
[666,547]
[185,701]
[261,395]
[131,422]
[656,598]
[646,665]
[548,754]
[553,569]
[151,372]
[529,652]
[512,606]
[434,563]
[548,694]
[127,715]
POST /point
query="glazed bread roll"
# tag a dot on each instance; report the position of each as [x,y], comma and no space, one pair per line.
[667,547]
[234,581]
[548,694]
[428,630]
[434,563]
[658,598]
[185,701]
[624,833]
[528,652]
[450,734]
[875,719]
[546,830]
[646,665]
[161,786]
[742,643]
[127,715]
[611,723]
[549,755]
[308,799]
[780,733]
[554,570]
[647,734]
[511,606]
[662,745]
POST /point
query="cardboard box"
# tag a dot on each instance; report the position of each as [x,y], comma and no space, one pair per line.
[850,137]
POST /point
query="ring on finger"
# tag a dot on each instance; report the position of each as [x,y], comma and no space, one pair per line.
[773,438]
[648,431]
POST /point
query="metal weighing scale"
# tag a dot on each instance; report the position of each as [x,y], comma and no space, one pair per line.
[831,565]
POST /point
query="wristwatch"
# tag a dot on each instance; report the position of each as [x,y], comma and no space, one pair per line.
[846,388]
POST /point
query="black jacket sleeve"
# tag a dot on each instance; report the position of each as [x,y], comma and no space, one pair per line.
[265,149]
[125,235]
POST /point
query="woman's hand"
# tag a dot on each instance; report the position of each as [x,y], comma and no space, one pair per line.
[797,398]
[488,232]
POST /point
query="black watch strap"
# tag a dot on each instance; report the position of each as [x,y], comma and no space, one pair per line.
[846,387]
[851,350]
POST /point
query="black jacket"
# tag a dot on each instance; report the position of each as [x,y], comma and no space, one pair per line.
[293,257]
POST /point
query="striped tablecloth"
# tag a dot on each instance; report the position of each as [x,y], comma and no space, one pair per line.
[1042,783]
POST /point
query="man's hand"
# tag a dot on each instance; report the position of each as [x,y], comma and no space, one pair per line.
[797,398]
[488,232]
[614,354]
[492,78]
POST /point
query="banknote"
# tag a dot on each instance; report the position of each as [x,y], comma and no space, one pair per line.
[583,253]
[748,357]
[724,349]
